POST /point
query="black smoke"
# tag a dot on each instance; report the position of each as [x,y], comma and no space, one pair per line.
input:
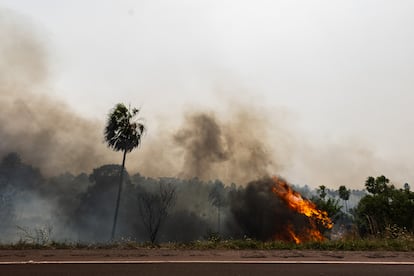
[261,215]
[235,149]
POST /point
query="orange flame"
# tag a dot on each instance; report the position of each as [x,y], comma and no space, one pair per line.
[292,234]
[297,203]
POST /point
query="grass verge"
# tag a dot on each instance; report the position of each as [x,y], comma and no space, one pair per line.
[371,244]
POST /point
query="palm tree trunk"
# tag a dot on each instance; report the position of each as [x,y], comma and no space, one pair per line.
[118,199]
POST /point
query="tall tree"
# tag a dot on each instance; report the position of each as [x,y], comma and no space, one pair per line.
[344,194]
[217,198]
[122,133]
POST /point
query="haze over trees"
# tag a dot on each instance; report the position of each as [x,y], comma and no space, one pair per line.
[218,198]
[155,207]
[80,207]
[329,204]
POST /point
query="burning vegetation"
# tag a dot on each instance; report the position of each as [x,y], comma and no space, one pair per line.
[295,201]
[269,209]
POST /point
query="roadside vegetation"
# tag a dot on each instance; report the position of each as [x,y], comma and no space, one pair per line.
[358,244]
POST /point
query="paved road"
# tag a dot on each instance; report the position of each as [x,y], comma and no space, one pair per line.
[203,262]
[207,269]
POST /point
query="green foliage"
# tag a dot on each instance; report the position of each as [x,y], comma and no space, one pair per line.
[386,206]
[329,205]
[378,185]
[344,194]
[322,192]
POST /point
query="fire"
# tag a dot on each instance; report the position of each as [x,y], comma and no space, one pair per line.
[292,234]
[297,203]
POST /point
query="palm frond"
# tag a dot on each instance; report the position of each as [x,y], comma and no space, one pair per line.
[121,132]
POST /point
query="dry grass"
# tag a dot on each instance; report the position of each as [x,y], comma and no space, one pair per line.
[367,244]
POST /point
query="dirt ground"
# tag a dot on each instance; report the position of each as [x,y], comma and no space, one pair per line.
[201,255]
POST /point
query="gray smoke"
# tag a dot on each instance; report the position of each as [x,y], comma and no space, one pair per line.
[46,133]
[43,130]
[236,150]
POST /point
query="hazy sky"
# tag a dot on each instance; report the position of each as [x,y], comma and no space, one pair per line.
[341,71]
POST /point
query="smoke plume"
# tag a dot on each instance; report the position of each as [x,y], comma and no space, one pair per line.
[234,150]
[47,133]
[43,130]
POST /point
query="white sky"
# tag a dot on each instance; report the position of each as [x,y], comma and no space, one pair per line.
[342,69]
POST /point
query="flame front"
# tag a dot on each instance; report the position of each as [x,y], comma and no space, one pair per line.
[297,203]
[292,234]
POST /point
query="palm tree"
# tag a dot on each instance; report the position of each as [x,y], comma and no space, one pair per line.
[344,194]
[122,134]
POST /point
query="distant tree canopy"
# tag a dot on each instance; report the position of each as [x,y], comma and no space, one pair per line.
[344,194]
[81,206]
[327,204]
[17,174]
[218,198]
[385,207]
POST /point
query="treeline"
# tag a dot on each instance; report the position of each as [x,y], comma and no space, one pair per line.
[381,210]
[386,210]
[81,207]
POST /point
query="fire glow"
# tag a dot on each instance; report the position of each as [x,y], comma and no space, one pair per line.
[297,203]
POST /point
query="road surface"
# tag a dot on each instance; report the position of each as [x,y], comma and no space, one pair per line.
[203,262]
